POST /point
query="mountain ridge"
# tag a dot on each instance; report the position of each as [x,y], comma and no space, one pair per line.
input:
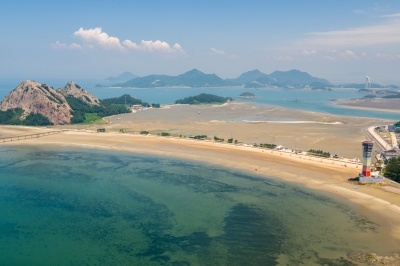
[196,78]
[123,77]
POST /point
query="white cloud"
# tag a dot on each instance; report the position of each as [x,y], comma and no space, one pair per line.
[364,54]
[215,51]
[97,37]
[59,46]
[387,56]
[283,58]
[218,52]
[75,46]
[312,52]
[62,46]
[92,38]
[347,53]
[153,46]
[392,16]
[384,33]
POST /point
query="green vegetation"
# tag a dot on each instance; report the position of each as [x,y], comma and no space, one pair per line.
[200,137]
[204,98]
[91,118]
[230,140]
[144,132]
[13,117]
[155,105]
[268,145]
[319,153]
[392,169]
[101,130]
[393,96]
[218,139]
[247,94]
[124,99]
[397,124]
[86,113]
[36,120]
[165,134]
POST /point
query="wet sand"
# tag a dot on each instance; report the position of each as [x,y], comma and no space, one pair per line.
[377,104]
[282,127]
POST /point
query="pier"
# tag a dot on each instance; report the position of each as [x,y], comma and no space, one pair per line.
[30,136]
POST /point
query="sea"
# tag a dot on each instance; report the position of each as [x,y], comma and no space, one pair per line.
[298,99]
[75,206]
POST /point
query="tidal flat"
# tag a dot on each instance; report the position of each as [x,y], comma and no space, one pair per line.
[71,206]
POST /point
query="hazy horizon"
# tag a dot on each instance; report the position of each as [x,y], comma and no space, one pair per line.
[340,41]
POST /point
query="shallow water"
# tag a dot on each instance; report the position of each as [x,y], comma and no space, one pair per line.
[315,101]
[64,206]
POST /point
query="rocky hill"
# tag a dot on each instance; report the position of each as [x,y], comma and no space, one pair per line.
[33,97]
[74,90]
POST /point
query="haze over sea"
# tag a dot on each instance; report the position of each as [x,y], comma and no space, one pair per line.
[309,100]
[71,206]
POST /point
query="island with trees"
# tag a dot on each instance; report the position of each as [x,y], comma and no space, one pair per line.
[247,95]
[204,98]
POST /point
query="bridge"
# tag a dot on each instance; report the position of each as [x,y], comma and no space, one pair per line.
[31,136]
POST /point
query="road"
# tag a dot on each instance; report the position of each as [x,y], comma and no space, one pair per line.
[394,139]
[379,139]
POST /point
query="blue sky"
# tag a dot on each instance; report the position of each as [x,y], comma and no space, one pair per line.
[338,40]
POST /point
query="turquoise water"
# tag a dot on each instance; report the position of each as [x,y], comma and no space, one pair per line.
[64,206]
[315,101]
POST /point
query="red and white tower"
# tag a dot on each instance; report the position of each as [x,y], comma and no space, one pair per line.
[367,150]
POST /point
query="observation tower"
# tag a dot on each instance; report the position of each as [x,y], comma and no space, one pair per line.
[367,150]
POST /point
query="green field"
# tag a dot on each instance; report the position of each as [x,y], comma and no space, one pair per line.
[93,118]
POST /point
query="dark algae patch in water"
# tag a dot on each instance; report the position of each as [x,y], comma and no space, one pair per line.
[65,206]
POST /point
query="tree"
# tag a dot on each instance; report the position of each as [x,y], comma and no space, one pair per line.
[392,170]
[203,98]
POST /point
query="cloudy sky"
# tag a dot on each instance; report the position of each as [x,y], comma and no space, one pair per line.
[337,40]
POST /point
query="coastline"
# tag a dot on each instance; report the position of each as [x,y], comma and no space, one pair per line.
[350,104]
[314,174]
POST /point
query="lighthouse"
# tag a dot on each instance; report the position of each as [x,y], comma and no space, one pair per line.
[367,149]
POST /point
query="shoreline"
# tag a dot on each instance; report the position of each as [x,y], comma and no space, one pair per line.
[314,174]
[366,108]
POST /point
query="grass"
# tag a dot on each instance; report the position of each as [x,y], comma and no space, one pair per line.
[93,118]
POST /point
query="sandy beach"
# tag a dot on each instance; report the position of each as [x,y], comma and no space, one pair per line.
[295,129]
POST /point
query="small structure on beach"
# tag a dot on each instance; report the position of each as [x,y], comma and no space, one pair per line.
[367,150]
[389,154]
[365,176]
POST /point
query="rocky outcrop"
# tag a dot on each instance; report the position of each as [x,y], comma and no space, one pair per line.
[74,90]
[34,97]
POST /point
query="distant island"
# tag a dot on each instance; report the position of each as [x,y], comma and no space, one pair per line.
[123,77]
[35,104]
[250,79]
[204,99]
[247,95]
